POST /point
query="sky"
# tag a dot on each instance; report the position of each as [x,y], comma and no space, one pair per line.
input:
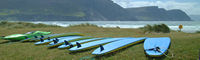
[191,7]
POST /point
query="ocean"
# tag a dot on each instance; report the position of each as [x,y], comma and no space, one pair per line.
[188,26]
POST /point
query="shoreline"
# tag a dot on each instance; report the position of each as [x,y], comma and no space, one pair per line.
[124,24]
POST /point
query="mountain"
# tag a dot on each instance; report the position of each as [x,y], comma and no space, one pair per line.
[153,13]
[82,10]
[195,17]
[106,9]
[73,10]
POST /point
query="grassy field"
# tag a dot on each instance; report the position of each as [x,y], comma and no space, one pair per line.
[184,46]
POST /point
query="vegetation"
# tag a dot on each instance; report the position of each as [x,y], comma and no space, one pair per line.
[197,31]
[184,46]
[156,28]
[83,25]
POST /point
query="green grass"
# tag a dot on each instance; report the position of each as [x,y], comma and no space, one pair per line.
[184,46]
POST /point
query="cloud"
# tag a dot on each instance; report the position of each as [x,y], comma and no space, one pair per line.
[190,8]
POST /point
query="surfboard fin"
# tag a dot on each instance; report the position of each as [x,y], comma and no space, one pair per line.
[35,36]
[54,41]
[25,37]
[57,39]
[41,40]
[71,46]
[158,49]
[42,36]
[66,42]
[48,38]
[78,44]
[101,47]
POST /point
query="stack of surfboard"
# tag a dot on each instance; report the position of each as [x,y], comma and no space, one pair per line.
[114,46]
[154,47]
[94,44]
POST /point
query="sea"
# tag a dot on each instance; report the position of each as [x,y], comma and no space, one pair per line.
[188,26]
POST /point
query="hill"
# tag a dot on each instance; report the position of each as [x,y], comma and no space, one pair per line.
[79,10]
[153,13]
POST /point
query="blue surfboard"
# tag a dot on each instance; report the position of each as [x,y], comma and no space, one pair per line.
[113,46]
[156,47]
[47,41]
[67,45]
[94,44]
[59,42]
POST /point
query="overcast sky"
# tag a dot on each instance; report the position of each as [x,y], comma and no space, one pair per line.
[191,7]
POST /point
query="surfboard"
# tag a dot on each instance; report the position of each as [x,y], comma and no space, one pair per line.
[156,47]
[60,42]
[67,44]
[94,44]
[47,41]
[38,37]
[114,46]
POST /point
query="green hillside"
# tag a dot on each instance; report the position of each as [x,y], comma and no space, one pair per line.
[82,10]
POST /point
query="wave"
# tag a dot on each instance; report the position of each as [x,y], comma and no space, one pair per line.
[189,27]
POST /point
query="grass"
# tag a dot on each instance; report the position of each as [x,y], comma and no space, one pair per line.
[184,46]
